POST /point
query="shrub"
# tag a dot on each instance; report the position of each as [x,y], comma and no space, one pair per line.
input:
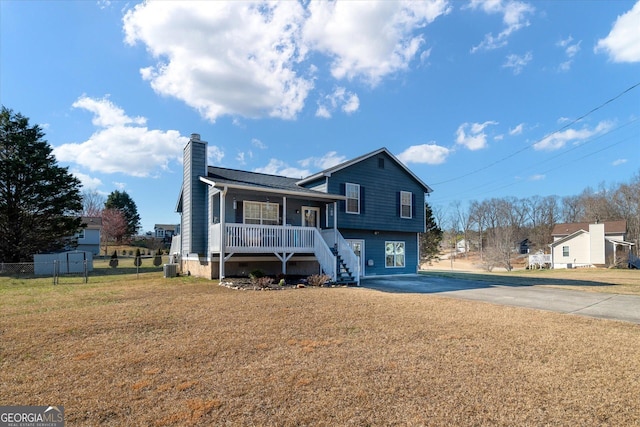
[318,279]
[256,274]
[157,260]
[113,262]
[261,282]
[138,261]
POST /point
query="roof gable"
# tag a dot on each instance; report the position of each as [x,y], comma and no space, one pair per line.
[568,237]
[329,171]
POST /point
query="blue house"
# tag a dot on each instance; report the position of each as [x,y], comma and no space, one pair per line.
[89,236]
[359,218]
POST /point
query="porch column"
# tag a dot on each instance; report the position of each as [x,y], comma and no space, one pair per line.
[223,232]
[284,210]
[335,222]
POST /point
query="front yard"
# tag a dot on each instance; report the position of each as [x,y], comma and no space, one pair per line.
[144,350]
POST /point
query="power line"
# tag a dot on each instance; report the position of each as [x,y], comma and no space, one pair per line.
[543,138]
[563,153]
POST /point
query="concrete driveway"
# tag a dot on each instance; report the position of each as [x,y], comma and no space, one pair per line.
[594,304]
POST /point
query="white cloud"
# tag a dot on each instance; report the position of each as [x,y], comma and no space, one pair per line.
[517,130]
[278,167]
[517,62]
[251,59]
[369,39]
[88,182]
[537,177]
[430,154]
[558,140]
[514,17]
[325,162]
[347,101]
[622,44]
[571,50]
[258,144]
[214,155]
[105,113]
[122,144]
[475,138]
[119,185]
[233,58]
[619,162]
[240,158]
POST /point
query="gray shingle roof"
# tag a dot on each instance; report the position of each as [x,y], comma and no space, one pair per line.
[260,181]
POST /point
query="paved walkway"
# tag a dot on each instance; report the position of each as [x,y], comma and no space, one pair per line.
[594,304]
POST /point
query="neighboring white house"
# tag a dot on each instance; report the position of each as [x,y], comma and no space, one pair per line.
[462,246]
[589,245]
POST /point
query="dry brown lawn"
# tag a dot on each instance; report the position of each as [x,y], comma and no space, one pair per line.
[175,352]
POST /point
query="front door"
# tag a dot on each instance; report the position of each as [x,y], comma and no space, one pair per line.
[358,248]
[310,216]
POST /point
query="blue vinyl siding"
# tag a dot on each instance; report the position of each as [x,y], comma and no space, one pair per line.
[374,250]
[379,196]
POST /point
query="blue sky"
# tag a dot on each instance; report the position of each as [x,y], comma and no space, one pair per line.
[480,99]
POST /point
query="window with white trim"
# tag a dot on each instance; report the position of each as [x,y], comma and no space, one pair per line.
[352,191]
[81,234]
[394,254]
[406,204]
[565,251]
[261,213]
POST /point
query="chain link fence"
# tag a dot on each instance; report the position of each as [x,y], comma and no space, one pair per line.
[100,266]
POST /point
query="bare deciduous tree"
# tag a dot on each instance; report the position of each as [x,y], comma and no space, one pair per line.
[114,227]
[92,203]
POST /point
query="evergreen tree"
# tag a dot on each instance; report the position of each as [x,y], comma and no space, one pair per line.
[430,240]
[40,201]
[157,260]
[138,260]
[124,203]
[113,262]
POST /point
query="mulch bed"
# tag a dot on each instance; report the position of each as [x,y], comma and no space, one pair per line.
[246,284]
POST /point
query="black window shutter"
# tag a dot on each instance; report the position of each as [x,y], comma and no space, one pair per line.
[239,212]
[342,203]
[413,205]
[361,200]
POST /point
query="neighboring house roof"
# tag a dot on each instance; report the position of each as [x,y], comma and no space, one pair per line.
[92,222]
[610,227]
[165,226]
[331,170]
[253,181]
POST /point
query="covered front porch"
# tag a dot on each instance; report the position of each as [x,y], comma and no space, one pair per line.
[255,221]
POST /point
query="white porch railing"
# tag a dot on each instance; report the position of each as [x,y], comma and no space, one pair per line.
[350,259]
[281,240]
[247,238]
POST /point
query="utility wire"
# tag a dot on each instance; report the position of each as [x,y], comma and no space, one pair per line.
[633,121]
[629,89]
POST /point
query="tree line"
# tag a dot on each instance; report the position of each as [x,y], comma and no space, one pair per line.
[494,227]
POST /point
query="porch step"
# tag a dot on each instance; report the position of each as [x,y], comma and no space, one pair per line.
[345,277]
